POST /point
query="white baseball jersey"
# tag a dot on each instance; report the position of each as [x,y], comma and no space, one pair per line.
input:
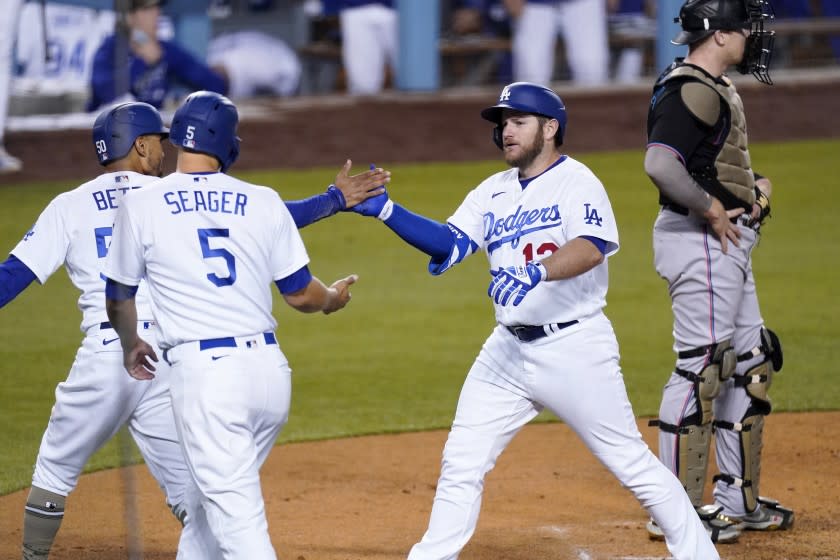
[515,226]
[74,230]
[210,245]
[73,33]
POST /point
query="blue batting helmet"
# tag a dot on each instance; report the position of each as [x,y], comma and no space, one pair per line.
[528,98]
[116,129]
[206,123]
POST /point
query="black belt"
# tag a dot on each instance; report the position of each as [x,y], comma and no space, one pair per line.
[230,342]
[106,325]
[744,219]
[676,208]
[530,333]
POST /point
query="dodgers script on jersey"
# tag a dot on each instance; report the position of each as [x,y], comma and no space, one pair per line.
[75,230]
[230,255]
[515,226]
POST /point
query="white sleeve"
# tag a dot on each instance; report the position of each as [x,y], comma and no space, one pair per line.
[125,263]
[44,247]
[288,253]
[590,214]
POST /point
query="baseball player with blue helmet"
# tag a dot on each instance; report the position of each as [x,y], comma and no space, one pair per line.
[713,204]
[547,228]
[209,246]
[98,398]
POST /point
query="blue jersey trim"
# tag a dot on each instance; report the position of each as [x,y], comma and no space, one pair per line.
[14,278]
[526,182]
[598,242]
[294,282]
[119,292]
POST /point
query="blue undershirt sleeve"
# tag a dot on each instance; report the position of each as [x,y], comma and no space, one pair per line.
[119,292]
[310,210]
[429,236]
[14,278]
[294,282]
[598,242]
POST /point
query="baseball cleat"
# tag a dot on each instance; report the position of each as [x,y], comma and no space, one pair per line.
[768,516]
[721,528]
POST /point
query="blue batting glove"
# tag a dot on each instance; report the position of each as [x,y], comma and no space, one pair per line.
[511,284]
[372,206]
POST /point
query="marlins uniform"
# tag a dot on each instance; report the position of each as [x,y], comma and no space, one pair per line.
[698,155]
[552,348]
[98,397]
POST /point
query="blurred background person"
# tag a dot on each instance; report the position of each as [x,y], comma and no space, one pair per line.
[9,12]
[369,41]
[155,67]
[583,26]
[55,47]
[255,63]
[484,18]
[630,25]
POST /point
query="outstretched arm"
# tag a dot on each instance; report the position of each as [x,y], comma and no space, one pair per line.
[347,191]
[308,294]
[433,238]
[14,278]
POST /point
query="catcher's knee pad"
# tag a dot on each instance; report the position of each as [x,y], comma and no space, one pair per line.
[721,367]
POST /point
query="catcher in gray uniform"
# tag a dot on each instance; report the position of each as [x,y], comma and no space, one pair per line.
[713,205]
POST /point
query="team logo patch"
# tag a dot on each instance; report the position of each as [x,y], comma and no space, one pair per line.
[505,96]
[591,215]
[29,234]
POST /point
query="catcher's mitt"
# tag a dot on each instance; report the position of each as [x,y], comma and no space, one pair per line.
[763,203]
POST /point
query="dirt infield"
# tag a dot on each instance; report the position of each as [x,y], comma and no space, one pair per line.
[369,498]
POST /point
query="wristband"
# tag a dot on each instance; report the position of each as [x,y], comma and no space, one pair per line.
[386,211]
[543,271]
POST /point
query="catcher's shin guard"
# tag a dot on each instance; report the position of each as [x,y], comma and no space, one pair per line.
[694,433]
[756,381]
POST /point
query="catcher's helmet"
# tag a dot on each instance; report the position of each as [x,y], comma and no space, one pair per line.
[701,18]
[116,129]
[206,123]
[528,98]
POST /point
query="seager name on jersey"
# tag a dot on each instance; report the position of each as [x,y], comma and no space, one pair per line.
[226,202]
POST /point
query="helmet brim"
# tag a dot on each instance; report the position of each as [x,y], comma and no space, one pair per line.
[688,37]
[493,114]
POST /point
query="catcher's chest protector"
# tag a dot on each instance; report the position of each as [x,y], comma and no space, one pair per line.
[732,164]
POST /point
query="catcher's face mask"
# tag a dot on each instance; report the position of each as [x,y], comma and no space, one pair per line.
[759,46]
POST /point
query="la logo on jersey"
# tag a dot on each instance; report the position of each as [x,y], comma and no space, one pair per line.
[505,96]
[591,215]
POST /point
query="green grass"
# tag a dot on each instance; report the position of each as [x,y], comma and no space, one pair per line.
[394,360]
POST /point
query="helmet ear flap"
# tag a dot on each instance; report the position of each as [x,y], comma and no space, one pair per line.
[497,137]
